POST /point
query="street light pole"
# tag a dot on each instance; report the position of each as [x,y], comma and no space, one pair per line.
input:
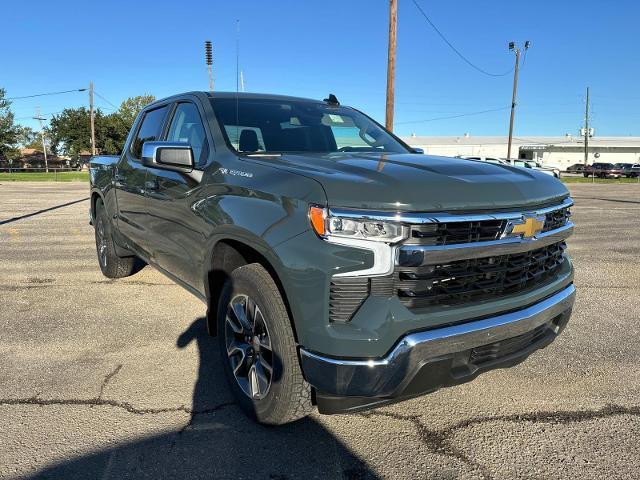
[44,145]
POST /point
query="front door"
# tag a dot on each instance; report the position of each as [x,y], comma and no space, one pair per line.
[130,182]
[177,232]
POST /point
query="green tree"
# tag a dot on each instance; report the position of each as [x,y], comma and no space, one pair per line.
[70,131]
[130,108]
[8,131]
[29,138]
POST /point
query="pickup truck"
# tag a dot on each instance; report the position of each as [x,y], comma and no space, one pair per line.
[341,269]
[603,170]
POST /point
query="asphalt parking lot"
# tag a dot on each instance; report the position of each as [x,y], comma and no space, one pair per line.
[117,379]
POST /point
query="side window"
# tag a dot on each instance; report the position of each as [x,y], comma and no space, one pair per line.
[186,127]
[150,129]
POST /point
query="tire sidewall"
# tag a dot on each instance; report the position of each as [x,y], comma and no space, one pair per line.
[241,281]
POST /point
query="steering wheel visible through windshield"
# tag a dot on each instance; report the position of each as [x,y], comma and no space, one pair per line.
[257,125]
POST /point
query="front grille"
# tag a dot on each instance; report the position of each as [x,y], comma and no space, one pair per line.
[464,281]
[453,283]
[498,350]
[451,233]
[556,219]
[456,232]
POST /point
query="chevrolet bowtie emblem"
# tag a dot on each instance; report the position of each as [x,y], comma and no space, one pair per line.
[527,227]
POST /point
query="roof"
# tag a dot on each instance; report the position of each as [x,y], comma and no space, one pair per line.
[244,95]
[565,140]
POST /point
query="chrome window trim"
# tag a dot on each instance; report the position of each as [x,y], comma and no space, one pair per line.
[422,218]
[434,254]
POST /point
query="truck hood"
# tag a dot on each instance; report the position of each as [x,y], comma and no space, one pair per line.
[413,182]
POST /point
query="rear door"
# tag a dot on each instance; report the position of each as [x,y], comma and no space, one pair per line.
[177,232]
[131,177]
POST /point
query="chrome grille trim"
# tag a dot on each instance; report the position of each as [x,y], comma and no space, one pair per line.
[418,255]
[419,218]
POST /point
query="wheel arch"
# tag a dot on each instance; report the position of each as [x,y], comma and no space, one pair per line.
[226,255]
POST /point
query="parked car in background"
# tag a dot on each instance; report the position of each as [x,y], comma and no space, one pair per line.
[603,170]
[554,172]
[635,170]
[576,168]
[627,169]
[487,159]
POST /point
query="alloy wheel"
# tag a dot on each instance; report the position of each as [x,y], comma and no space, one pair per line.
[249,346]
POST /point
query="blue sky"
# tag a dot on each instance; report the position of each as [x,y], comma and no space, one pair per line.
[310,48]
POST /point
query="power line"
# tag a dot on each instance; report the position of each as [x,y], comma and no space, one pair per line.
[100,96]
[49,93]
[456,116]
[457,52]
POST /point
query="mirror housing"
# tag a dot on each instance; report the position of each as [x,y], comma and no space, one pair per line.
[419,151]
[173,156]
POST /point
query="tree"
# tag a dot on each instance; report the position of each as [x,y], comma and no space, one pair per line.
[29,138]
[130,108]
[70,131]
[8,130]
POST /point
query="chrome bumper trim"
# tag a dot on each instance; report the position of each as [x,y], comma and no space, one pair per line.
[389,375]
[417,255]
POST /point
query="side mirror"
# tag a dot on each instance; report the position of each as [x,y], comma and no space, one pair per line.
[418,150]
[173,156]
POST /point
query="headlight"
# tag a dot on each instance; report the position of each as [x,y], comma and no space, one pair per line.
[328,226]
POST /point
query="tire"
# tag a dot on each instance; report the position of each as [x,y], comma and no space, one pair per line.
[111,265]
[283,396]
[586,175]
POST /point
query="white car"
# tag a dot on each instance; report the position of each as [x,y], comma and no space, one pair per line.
[536,166]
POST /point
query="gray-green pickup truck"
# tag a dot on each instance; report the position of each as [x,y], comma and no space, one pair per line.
[341,268]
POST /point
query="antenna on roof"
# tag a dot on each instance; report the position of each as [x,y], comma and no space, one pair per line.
[332,100]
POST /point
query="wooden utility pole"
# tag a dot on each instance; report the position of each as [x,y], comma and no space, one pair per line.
[92,120]
[513,102]
[391,63]
[586,130]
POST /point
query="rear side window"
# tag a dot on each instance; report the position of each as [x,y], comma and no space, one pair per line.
[150,129]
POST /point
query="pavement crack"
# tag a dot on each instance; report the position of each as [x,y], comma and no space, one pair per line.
[107,379]
[441,441]
[98,402]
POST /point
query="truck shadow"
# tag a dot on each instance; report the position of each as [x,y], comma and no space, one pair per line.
[219,441]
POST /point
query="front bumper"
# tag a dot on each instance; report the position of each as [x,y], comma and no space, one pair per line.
[425,361]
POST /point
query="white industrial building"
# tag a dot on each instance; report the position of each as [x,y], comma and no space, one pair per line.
[558,152]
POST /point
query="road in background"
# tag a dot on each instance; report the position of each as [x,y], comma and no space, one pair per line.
[117,379]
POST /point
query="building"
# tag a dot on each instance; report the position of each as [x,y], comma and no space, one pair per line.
[558,152]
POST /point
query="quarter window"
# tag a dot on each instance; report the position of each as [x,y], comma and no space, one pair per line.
[186,127]
[150,130]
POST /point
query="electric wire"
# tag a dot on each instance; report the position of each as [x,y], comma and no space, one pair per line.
[457,52]
[499,109]
[45,94]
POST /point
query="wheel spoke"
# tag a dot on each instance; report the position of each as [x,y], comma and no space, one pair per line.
[249,346]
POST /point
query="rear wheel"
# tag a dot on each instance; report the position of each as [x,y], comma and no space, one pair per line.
[111,265]
[586,175]
[258,348]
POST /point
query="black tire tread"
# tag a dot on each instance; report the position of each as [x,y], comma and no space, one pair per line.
[116,267]
[294,401]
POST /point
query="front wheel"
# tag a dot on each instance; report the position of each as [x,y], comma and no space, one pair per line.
[258,348]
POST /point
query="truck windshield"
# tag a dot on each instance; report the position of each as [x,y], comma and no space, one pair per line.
[255,125]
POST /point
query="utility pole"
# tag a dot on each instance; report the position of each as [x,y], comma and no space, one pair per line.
[208,55]
[92,120]
[586,130]
[391,63]
[44,145]
[512,46]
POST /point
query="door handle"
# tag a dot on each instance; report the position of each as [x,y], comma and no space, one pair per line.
[151,185]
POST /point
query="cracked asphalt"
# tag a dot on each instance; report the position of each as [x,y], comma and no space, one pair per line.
[117,379]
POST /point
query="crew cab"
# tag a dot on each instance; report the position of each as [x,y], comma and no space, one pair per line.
[341,269]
